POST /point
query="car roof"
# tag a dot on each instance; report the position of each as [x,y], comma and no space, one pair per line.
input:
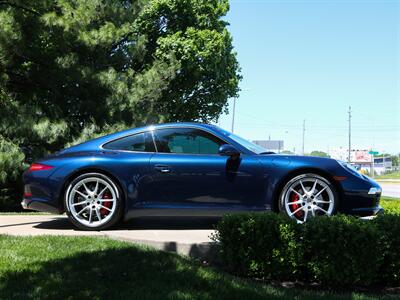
[95,143]
[159,126]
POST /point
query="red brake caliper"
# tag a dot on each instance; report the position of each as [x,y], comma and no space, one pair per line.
[107,204]
[295,206]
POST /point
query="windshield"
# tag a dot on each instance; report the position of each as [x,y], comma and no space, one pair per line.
[245,143]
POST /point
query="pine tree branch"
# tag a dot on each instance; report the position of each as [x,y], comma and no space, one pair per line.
[19,7]
[123,40]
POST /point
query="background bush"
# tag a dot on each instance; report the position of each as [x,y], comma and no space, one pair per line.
[336,251]
[11,166]
[391,205]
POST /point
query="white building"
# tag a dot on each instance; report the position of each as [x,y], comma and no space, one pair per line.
[362,160]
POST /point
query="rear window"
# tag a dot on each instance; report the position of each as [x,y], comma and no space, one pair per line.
[141,142]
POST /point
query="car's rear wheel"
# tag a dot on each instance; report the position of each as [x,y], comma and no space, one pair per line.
[306,196]
[93,202]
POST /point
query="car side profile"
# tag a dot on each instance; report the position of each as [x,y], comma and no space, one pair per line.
[190,169]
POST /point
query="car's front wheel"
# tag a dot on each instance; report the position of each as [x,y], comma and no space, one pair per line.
[306,196]
[93,202]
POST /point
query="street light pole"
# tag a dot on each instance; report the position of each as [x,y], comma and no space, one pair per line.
[349,158]
[372,166]
[233,114]
[234,110]
[304,133]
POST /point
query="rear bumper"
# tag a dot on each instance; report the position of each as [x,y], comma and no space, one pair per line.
[38,205]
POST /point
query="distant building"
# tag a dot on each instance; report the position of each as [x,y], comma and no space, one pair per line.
[362,160]
[270,145]
[383,164]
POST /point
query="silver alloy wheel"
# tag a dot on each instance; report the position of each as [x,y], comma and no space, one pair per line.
[92,201]
[306,196]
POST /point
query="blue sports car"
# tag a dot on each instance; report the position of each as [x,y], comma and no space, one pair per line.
[190,169]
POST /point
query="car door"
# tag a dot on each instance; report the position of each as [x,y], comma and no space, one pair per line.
[187,171]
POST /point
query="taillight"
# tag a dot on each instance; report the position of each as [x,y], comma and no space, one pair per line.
[39,167]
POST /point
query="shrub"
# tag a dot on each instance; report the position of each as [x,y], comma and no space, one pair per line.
[336,251]
[341,250]
[260,245]
[389,229]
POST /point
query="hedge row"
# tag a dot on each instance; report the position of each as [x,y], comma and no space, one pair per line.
[336,251]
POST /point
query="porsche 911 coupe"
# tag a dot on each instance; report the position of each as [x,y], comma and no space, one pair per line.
[190,169]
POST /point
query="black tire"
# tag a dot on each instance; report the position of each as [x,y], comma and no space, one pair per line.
[283,198]
[112,219]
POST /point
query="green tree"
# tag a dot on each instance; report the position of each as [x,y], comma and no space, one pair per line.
[319,153]
[73,69]
[287,152]
[395,160]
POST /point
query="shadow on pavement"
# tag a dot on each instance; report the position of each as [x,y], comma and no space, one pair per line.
[56,224]
[173,223]
[142,223]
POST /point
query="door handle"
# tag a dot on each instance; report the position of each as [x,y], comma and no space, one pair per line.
[162,168]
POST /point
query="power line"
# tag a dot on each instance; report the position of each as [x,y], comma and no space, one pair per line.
[318,126]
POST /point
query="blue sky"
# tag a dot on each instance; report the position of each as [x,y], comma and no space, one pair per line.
[311,60]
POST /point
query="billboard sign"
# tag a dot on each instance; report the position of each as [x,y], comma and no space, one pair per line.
[360,156]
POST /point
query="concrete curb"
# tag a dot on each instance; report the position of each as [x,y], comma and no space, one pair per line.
[206,251]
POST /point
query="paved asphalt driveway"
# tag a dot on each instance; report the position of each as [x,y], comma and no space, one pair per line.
[390,189]
[185,236]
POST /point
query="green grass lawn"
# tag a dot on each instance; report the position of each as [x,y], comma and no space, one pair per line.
[394,175]
[51,267]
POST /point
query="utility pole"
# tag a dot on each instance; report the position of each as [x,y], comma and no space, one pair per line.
[304,132]
[349,157]
[234,110]
[372,166]
[233,114]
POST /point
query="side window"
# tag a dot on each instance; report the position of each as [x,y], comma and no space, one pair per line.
[187,141]
[141,142]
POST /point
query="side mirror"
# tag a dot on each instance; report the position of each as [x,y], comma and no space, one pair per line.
[228,150]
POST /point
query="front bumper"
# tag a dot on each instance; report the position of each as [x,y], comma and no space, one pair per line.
[361,197]
[375,191]
[374,214]
[370,212]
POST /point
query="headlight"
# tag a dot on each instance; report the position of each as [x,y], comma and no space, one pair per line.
[350,168]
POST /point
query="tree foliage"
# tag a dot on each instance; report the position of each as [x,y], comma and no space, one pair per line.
[72,69]
[319,153]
